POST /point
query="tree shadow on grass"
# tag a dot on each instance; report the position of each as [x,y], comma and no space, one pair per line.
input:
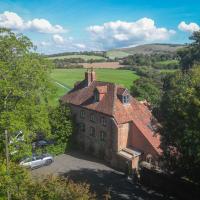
[103,181]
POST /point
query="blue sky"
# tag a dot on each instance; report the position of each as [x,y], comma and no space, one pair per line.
[78,25]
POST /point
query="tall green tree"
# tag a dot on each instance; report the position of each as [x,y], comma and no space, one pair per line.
[146,89]
[190,55]
[24,88]
[62,124]
[180,117]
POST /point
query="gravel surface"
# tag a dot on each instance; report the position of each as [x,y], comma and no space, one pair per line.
[82,168]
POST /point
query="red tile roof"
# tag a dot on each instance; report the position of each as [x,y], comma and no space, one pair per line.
[110,104]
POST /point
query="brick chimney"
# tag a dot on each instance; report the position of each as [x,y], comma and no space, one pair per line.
[90,76]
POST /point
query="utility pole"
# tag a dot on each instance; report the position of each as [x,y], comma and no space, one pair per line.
[7,161]
[7,149]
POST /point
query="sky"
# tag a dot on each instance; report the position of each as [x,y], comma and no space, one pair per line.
[83,25]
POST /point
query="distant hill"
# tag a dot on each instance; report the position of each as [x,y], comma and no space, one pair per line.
[144,49]
[120,53]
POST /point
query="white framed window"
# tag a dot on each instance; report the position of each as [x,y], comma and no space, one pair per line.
[82,127]
[103,121]
[125,99]
[82,114]
[103,135]
[92,117]
[92,131]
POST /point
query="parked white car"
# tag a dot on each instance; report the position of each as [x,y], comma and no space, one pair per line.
[37,161]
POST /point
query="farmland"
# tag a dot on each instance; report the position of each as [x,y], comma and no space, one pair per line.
[85,57]
[64,79]
[110,65]
[117,54]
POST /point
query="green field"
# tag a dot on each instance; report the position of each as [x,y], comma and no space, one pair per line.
[117,54]
[85,57]
[67,77]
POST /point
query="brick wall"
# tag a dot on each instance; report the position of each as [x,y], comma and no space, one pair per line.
[123,135]
[138,141]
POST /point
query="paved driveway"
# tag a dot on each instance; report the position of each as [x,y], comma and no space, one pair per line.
[81,168]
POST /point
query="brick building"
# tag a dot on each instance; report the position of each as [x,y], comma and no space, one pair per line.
[112,124]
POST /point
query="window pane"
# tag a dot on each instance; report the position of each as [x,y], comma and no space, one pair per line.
[102,136]
[82,114]
[92,131]
[92,118]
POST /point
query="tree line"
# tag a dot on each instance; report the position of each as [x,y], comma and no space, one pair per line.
[155,60]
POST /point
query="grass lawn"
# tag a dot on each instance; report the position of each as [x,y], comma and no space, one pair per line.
[116,54]
[85,57]
[64,79]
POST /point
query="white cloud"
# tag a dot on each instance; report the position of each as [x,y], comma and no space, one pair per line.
[58,39]
[191,27]
[80,46]
[44,44]
[122,33]
[11,20]
[15,22]
[44,26]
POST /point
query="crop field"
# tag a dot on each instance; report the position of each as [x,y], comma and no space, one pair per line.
[108,65]
[64,79]
[85,57]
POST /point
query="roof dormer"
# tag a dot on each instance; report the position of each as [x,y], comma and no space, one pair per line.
[99,93]
[123,95]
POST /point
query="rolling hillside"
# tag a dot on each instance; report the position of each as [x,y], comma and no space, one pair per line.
[144,49]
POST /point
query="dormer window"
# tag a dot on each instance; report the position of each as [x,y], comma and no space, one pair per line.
[125,99]
[123,95]
[99,93]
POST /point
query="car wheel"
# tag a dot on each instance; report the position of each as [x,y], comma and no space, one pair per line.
[48,162]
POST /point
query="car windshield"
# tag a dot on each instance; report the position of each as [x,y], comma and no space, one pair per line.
[27,159]
[38,157]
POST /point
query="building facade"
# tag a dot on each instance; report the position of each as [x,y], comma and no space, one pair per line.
[111,123]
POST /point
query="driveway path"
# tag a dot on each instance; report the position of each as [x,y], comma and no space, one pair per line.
[81,168]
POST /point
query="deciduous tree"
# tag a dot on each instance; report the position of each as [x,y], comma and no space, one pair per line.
[180,117]
[24,87]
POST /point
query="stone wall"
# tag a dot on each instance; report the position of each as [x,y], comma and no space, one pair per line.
[94,145]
